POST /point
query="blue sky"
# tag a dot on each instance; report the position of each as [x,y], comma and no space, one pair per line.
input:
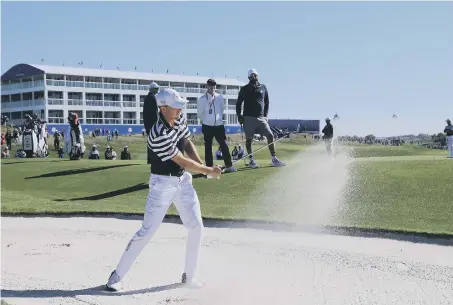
[364,60]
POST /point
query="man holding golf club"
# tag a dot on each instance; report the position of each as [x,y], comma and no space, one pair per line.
[255,97]
[328,136]
[169,183]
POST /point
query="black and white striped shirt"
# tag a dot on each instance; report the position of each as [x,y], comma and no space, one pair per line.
[164,142]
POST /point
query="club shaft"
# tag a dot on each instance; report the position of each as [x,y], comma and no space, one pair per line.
[261,148]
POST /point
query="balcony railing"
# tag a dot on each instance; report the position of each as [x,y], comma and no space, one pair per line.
[192,122]
[55,120]
[116,86]
[129,121]
[23,85]
[75,102]
[94,121]
[74,84]
[51,82]
[96,103]
[20,104]
[129,104]
[112,121]
[53,101]
[87,103]
[112,103]
[193,90]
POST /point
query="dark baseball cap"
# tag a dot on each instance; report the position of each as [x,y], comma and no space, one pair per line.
[211,82]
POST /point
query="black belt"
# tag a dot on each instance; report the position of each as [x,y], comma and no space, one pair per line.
[172,174]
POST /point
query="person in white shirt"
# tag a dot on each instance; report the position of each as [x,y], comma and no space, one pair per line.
[210,109]
[218,154]
[94,153]
[240,152]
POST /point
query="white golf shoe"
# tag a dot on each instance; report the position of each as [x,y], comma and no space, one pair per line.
[276,162]
[253,164]
[114,283]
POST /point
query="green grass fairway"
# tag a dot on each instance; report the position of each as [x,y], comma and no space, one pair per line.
[412,191]
[405,194]
[365,151]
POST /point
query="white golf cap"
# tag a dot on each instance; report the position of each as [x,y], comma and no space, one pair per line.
[171,98]
[327,119]
[153,85]
[252,71]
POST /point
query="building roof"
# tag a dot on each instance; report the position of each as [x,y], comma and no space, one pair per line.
[24,70]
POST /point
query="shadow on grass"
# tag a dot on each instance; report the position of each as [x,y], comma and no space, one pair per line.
[111,194]
[441,239]
[17,162]
[94,291]
[126,190]
[78,171]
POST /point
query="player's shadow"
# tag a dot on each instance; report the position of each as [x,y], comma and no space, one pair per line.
[94,291]
[78,171]
[126,190]
[110,194]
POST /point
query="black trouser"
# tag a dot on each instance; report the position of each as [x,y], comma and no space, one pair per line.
[217,132]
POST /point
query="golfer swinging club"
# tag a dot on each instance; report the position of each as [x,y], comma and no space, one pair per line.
[256,106]
[169,182]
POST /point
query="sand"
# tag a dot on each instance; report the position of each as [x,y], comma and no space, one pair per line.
[68,260]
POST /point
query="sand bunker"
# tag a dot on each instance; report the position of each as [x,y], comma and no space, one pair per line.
[68,260]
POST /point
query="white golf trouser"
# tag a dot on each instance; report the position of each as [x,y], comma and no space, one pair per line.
[163,191]
[450,146]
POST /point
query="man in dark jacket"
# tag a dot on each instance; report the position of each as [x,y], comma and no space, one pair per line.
[255,97]
[125,154]
[328,135]
[150,109]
